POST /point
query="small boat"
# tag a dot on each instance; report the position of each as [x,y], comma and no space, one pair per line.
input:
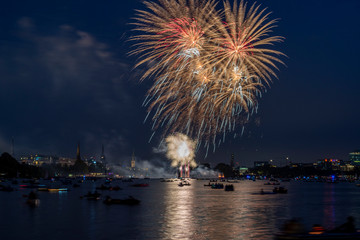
[140,185]
[167,180]
[32,186]
[323,236]
[127,201]
[6,188]
[33,202]
[208,185]
[186,183]
[263,193]
[115,188]
[217,186]
[57,189]
[273,183]
[127,180]
[92,196]
[229,187]
[33,199]
[280,190]
[103,187]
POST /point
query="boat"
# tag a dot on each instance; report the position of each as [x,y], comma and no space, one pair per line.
[92,196]
[140,185]
[317,236]
[274,183]
[263,193]
[103,187]
[217,186]
[33,199]
[208,185]
[167,180]
[57,189]
[294,230]
[186,183]
[127,201]
[232,181]
[115,188]
[229,187]
[127,180]
[32,186]
[280,190]
[33,202]
[6,188]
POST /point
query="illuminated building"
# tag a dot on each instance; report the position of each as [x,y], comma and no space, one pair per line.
[64,161]
[261,164]
[347,167]
[243,170]
[133,161]
[329,164]
[38,159]
[354,158]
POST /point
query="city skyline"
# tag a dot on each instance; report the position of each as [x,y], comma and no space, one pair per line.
[66,77]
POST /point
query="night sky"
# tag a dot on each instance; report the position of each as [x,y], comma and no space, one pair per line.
[65,76]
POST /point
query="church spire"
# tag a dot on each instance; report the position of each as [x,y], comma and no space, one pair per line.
[133,160]
[102,157]
[78,152]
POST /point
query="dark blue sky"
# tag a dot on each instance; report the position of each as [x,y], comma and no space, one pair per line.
[65,77]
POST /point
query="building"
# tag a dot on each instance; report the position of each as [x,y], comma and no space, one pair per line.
[38,159]
[133,161]
[232,161]
[347,167]
[261,164]
[329,164]
[102,157]
[64,161]
[78,157]
[354,158]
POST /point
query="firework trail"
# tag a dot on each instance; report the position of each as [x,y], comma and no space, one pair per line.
[209,67]
[180,150]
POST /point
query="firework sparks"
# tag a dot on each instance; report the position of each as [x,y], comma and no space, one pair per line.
[209,67]
[180,150]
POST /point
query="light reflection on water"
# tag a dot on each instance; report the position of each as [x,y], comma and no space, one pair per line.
[171,212]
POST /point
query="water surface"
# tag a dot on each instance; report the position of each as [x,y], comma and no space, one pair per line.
[171,212]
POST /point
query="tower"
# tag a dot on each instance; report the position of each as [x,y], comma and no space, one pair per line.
[232,160]
[102,157]
[78,158]
[133,160]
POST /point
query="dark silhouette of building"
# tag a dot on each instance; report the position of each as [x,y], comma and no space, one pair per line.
[232,160]
[78,157]
[12,148]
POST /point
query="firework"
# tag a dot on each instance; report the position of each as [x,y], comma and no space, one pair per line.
[209,67]
[181,152]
